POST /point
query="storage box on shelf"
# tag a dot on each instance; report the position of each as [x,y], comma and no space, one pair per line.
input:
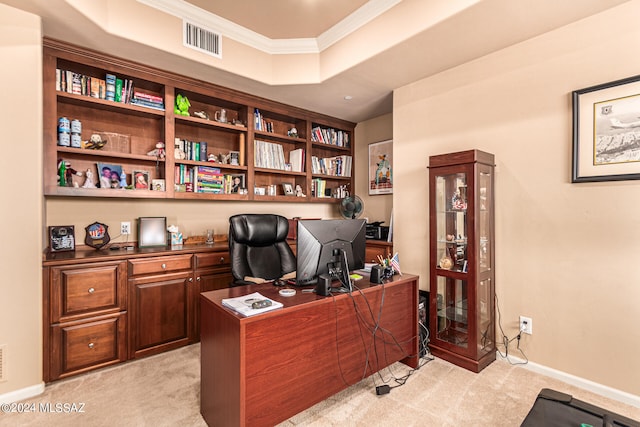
[230,127]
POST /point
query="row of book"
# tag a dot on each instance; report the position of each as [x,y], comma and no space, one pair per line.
[268,155]
[260,123]
[334,166]
[111,88]
[330,136]
[206,179]
[192,150]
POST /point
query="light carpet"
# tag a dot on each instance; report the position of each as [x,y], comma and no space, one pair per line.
[164,390]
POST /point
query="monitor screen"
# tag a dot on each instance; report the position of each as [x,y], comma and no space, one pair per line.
[317,240]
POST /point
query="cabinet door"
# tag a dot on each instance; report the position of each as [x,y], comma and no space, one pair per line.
[160,310]
[87,290]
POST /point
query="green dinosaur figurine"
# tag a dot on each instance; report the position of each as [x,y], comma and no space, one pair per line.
[182,105]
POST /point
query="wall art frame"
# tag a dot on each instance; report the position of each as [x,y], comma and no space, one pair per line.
[606,132]
[381,168]
[152,231]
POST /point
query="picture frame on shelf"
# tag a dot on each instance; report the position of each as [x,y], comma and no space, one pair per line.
[237,183]
[234,158]
[605,122]
[110,175]
[287,188]
[381,168]
[152,232]
[62,238]
[259,191]
[158,185]
[140,180]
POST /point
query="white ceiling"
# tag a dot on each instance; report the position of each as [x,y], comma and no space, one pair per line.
[464,30]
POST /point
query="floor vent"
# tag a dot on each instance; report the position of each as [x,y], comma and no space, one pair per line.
[3,362]
[202,39]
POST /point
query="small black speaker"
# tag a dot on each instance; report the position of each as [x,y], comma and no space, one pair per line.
[377,274]
[324,285]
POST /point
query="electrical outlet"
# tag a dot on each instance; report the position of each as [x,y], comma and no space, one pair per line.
[125,228]
[526,325]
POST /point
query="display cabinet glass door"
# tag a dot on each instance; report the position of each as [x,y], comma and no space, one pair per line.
[453,323]
[451,211]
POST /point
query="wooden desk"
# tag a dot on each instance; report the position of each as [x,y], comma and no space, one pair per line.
[262,370]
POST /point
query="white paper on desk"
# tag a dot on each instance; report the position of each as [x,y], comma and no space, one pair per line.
[242,304]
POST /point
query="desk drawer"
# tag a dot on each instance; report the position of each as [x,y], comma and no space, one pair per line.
[87,290]
[161,264]
[216,259]
[89,345]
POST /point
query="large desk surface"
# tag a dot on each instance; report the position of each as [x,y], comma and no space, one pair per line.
[261,370]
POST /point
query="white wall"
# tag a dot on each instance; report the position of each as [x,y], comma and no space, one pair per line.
[21,195]
[565,253]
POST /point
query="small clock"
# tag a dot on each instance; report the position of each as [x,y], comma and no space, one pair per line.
[97,235]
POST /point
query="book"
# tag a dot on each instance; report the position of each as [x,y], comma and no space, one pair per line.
[111,87]
[296,158]
[118,91]
[243,305]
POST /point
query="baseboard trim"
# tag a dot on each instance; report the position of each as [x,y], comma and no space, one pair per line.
[602,390]
[21,394]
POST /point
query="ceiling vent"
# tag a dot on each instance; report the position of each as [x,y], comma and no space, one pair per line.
[202,39]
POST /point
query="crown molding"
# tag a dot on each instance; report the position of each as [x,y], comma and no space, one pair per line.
[183,10]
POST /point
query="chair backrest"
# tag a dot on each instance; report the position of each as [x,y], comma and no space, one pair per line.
[258,247]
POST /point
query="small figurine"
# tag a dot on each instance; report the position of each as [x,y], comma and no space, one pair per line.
[158,152]
[88,180]
[94,143]
[182,105]
[65,174]
[299,192]
[202,114]
[123,179]
[224,158]
[212,158]
[293,132]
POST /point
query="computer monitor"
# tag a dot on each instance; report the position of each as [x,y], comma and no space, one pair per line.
[317,242]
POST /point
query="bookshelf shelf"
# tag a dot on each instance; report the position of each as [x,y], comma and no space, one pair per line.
[234,127]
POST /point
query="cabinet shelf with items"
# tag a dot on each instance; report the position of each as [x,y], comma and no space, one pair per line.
[462,286]
[129,133]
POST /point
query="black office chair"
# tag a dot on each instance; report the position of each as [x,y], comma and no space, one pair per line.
[258,247]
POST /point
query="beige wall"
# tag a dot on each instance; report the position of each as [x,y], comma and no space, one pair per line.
[376,208]
[21,194]
[565,253]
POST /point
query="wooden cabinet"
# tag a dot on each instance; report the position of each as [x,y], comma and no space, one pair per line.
[232,127]
[85,317]
[161,295]
[101,308]
[462,273]
[377,248]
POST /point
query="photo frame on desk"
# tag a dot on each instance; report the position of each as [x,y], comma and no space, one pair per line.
[605,124]
[62,238]
[152,232]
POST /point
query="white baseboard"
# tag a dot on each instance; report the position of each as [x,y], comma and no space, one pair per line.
[602,390]
[21,394]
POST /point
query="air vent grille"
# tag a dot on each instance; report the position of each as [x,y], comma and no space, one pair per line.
[3,362]
[202,39]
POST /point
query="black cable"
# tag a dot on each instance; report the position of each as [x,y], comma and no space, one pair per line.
[506,340]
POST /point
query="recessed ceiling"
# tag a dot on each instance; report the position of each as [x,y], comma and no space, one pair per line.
[402,42]
[283,19]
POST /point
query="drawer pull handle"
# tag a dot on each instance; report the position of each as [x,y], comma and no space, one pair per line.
[191,279]
[198,278]
[91,345]
[164,265]
[221,260]
[91,290]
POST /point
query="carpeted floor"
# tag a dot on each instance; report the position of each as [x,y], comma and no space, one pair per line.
[164,390]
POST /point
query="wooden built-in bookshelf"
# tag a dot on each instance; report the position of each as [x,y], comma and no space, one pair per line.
[132,131]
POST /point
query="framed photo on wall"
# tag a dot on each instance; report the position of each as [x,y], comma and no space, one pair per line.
[381,168]
[606,132]
[152,231]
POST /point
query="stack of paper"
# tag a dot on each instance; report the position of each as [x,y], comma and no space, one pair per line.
[243,304]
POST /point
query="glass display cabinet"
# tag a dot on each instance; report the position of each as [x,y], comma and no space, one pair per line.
[461,232]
